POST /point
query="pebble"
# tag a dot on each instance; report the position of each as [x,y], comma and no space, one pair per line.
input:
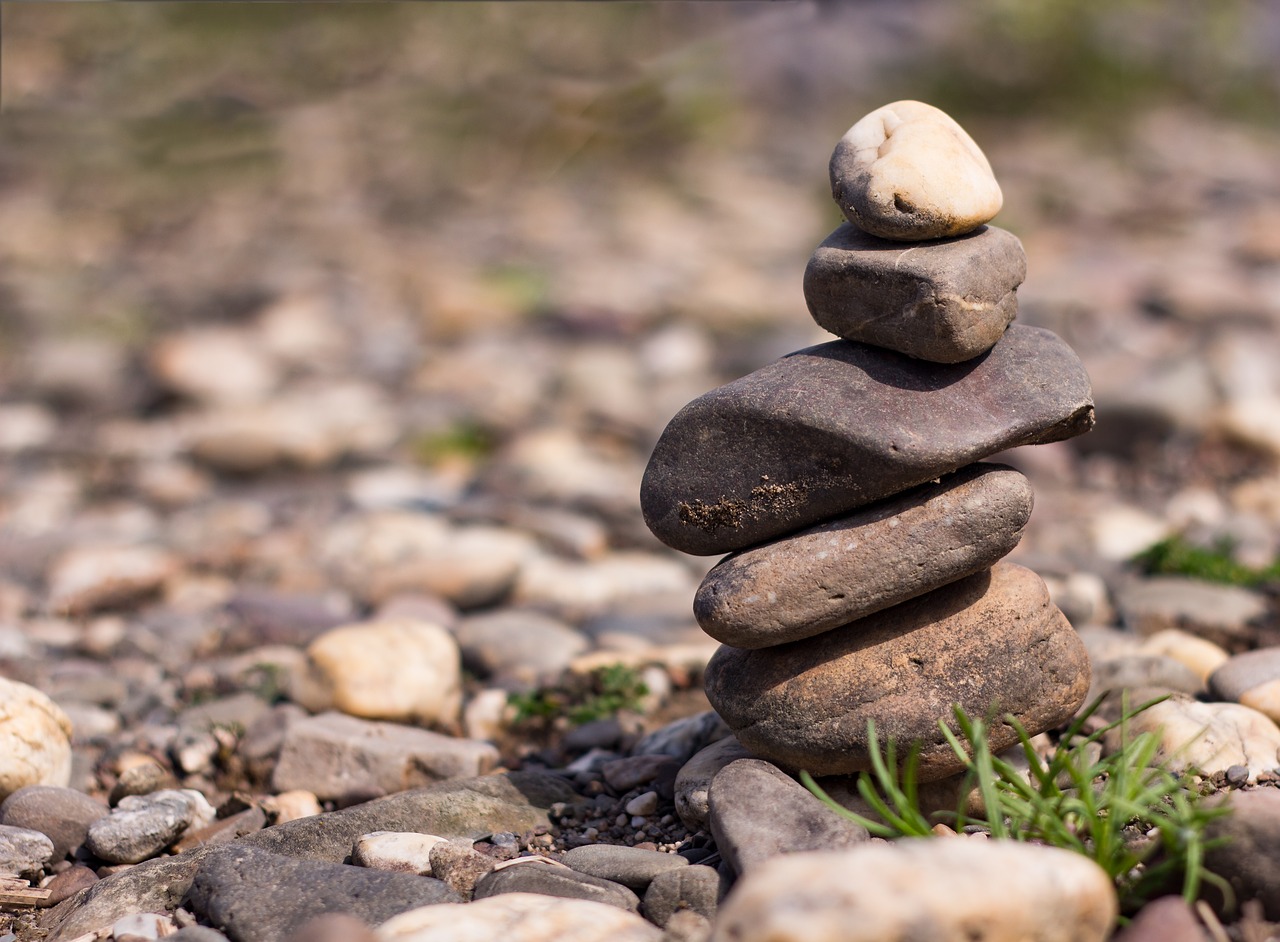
[205,934]
[257,896]
[810,582]
[908,171]
[1222,614]
[89,578]
[35,739]
[1211,737]
[520,917]
[1136,671]
[333,927]
[943,890]
[63,814]
[335,756]
[266,616]
[1168,919]
[693,781]
[630,866]
[1201,656]
[758,812]
[459,865]
[1252,679]
[682,738]
[622,775]
[805,705]
[945,303]
[1248,858]
[140,826]
[643,804]
[556,881]
[214,365]
[402,851]
[779,449]
[137,927]
[23,851]
[401,670]
[693,888]
[514,646]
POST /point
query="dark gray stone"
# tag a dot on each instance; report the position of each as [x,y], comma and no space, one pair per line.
[695,888]
[993,639]
[256,896]
[154,886]
[23,852]
[64,814]
[633,867]
[683,738]
[802,585]
[758,812]
[140,826]
[943,300]
[693,781]
[526,647]
[1235,677]
[550,880]
[834,427]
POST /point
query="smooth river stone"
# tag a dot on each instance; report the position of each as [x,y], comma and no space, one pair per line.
[990,641]
[908,171]
[831,428]
[802,585]
[943,301]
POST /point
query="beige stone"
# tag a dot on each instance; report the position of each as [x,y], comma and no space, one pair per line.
[992,640]
[400,669]
[88,578]
[1201,656]
[908,171]
[948,890]
[1210,737]
[35,739]
[519,917]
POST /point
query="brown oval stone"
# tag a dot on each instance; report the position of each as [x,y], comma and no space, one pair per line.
[990,642]
[831,428]
[802,585]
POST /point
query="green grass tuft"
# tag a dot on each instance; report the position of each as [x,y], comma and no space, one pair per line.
[1139,821]
[598,695]
[1177,557]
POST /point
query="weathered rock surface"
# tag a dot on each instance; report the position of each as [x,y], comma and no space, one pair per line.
[908,171]
[1211,737]
[991,640]
[830,428]
[758,812]
[836,572]
[256,896]
[520,917]
[945,302]
[695,888]
[24,852]
[942,890]
[63,814]
[693,781]
[553,880]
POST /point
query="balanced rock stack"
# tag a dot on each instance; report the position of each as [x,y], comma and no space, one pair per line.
[865,581]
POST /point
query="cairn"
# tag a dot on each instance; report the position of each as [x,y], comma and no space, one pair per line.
[846,481]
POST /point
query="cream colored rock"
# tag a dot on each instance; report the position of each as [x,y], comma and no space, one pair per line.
[1203,657]
[519,917]
[35,739]
[400,670]
[908,171]
[942,890]
[1211,737]
[399,851]
[215,365]
[87,578]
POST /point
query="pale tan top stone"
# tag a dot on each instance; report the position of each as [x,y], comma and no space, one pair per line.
[908,171]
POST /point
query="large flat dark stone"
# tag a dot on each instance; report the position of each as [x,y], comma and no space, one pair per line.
[830,428]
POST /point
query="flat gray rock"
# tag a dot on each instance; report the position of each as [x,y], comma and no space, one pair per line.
[831,428]
[946,301]
[64,814]
[256,896]
[991,639]
[758,812]
[550,880]
[633,867]
[140,826]
[696,888]
[693,781]
[802,585]
[1224,614]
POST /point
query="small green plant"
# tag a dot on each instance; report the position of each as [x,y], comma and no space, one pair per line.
[1142,823]
[581,699]
[465,440]
[1177,557]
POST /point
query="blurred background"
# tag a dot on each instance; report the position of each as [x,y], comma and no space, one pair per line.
[271,272]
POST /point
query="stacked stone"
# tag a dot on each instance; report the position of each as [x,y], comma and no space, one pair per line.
[865,579]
